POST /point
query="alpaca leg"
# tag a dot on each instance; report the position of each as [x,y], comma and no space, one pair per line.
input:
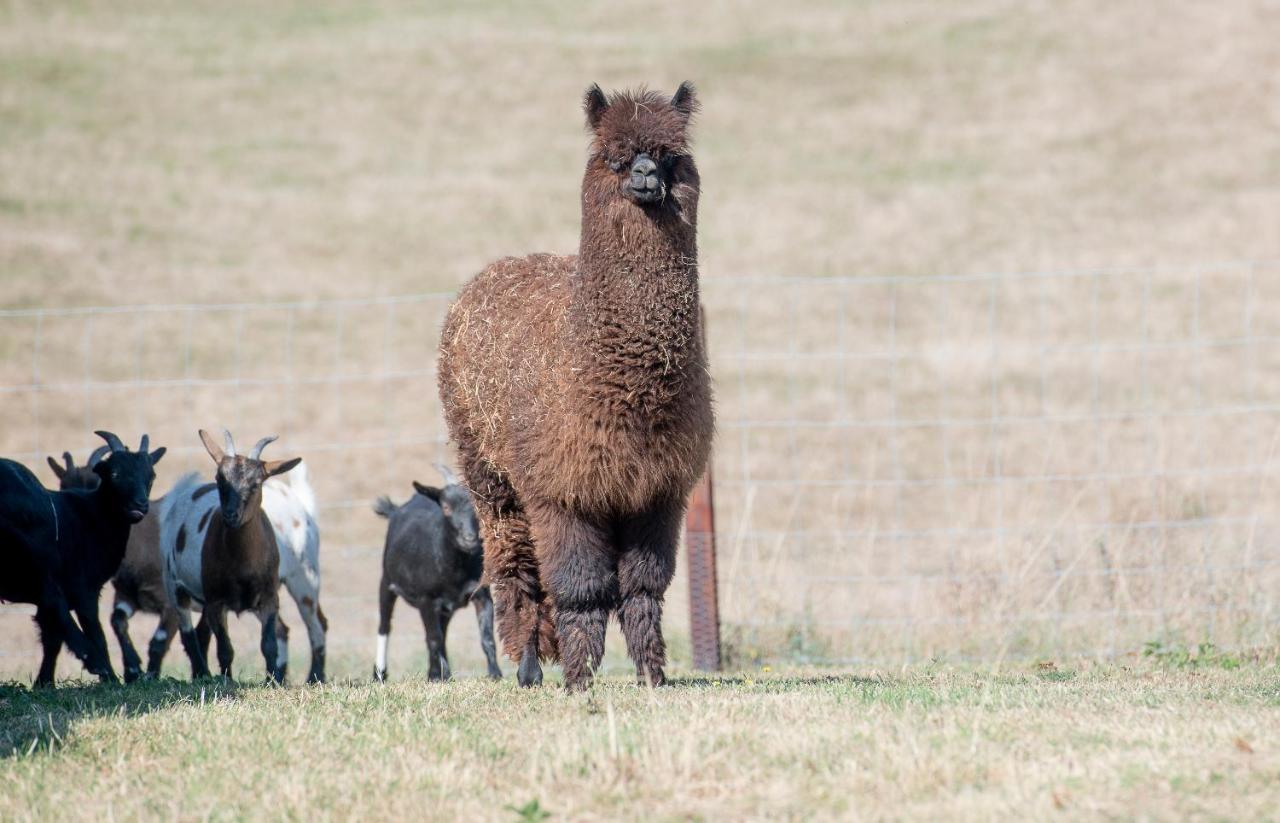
[511,568]
[579,570]
[648,561]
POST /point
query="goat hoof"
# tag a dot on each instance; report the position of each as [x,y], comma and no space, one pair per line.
[380,675]
[131,675]
[495,674]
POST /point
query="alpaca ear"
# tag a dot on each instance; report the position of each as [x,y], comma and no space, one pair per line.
[684,100]
[595,104]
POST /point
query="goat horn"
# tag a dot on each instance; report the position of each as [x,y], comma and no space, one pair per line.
[98,454]
[112,441]
[447,474]
[71,464]
[142,447]
[229,445]
[256,452]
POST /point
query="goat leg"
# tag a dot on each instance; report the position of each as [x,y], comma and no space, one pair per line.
[435,640]
[55,601]
[268,645]
[129,655]
[483,604]
[160,641]
[196,652]
[386,606]
[100,661]
[51,636]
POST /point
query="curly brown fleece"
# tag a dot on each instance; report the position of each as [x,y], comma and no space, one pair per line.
[576,388]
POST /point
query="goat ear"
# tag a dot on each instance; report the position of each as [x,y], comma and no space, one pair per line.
[685,101]
[215,451]
[428,491]
[58,470]
[274,467]
[157,454]
[595,104]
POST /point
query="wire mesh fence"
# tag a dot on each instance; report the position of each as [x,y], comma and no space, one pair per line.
[964,467]
[997,465]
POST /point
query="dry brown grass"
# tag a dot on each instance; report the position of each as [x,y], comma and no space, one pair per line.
[204,152]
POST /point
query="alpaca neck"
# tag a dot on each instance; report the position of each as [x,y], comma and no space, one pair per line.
[635,294]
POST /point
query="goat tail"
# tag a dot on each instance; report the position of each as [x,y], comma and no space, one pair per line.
[301,485]
[383,507]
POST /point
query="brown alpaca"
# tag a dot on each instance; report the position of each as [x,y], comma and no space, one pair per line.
[576,388]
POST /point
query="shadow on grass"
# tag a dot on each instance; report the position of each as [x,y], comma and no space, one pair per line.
[42,720]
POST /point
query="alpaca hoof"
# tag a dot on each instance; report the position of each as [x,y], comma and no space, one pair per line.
[577,686]
[495,673]
[656,679]
[529,673]
[130,675]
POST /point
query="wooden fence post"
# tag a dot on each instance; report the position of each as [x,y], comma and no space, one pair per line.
[704,606]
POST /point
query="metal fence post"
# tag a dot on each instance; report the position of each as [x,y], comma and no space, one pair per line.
[704,606]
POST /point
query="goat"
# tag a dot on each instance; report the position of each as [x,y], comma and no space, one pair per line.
[58,549]
[434,559]
[138,583]
[237,563]
[72,476]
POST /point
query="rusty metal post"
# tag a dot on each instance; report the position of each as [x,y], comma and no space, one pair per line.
[704,605]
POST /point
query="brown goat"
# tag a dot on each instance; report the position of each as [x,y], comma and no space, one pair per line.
[238,565]
[577,391]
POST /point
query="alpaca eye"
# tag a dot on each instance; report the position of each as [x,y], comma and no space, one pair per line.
[616,165]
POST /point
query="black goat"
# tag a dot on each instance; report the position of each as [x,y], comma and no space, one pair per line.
[72,476]
[433,558]
[58,549]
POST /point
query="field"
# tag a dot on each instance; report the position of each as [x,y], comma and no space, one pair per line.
[994,311]
[1156,741]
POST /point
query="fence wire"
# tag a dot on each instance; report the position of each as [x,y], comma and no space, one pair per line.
[960,467]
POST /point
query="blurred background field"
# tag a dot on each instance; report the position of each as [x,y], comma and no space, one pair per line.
[985,385]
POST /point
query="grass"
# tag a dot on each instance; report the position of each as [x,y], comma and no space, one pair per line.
[1149,740]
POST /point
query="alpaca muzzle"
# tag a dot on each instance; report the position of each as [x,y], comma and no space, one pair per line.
[645,184]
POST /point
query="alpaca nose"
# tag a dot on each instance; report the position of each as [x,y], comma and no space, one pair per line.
[644,173]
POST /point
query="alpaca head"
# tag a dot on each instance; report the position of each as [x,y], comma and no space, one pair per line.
[640,151]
